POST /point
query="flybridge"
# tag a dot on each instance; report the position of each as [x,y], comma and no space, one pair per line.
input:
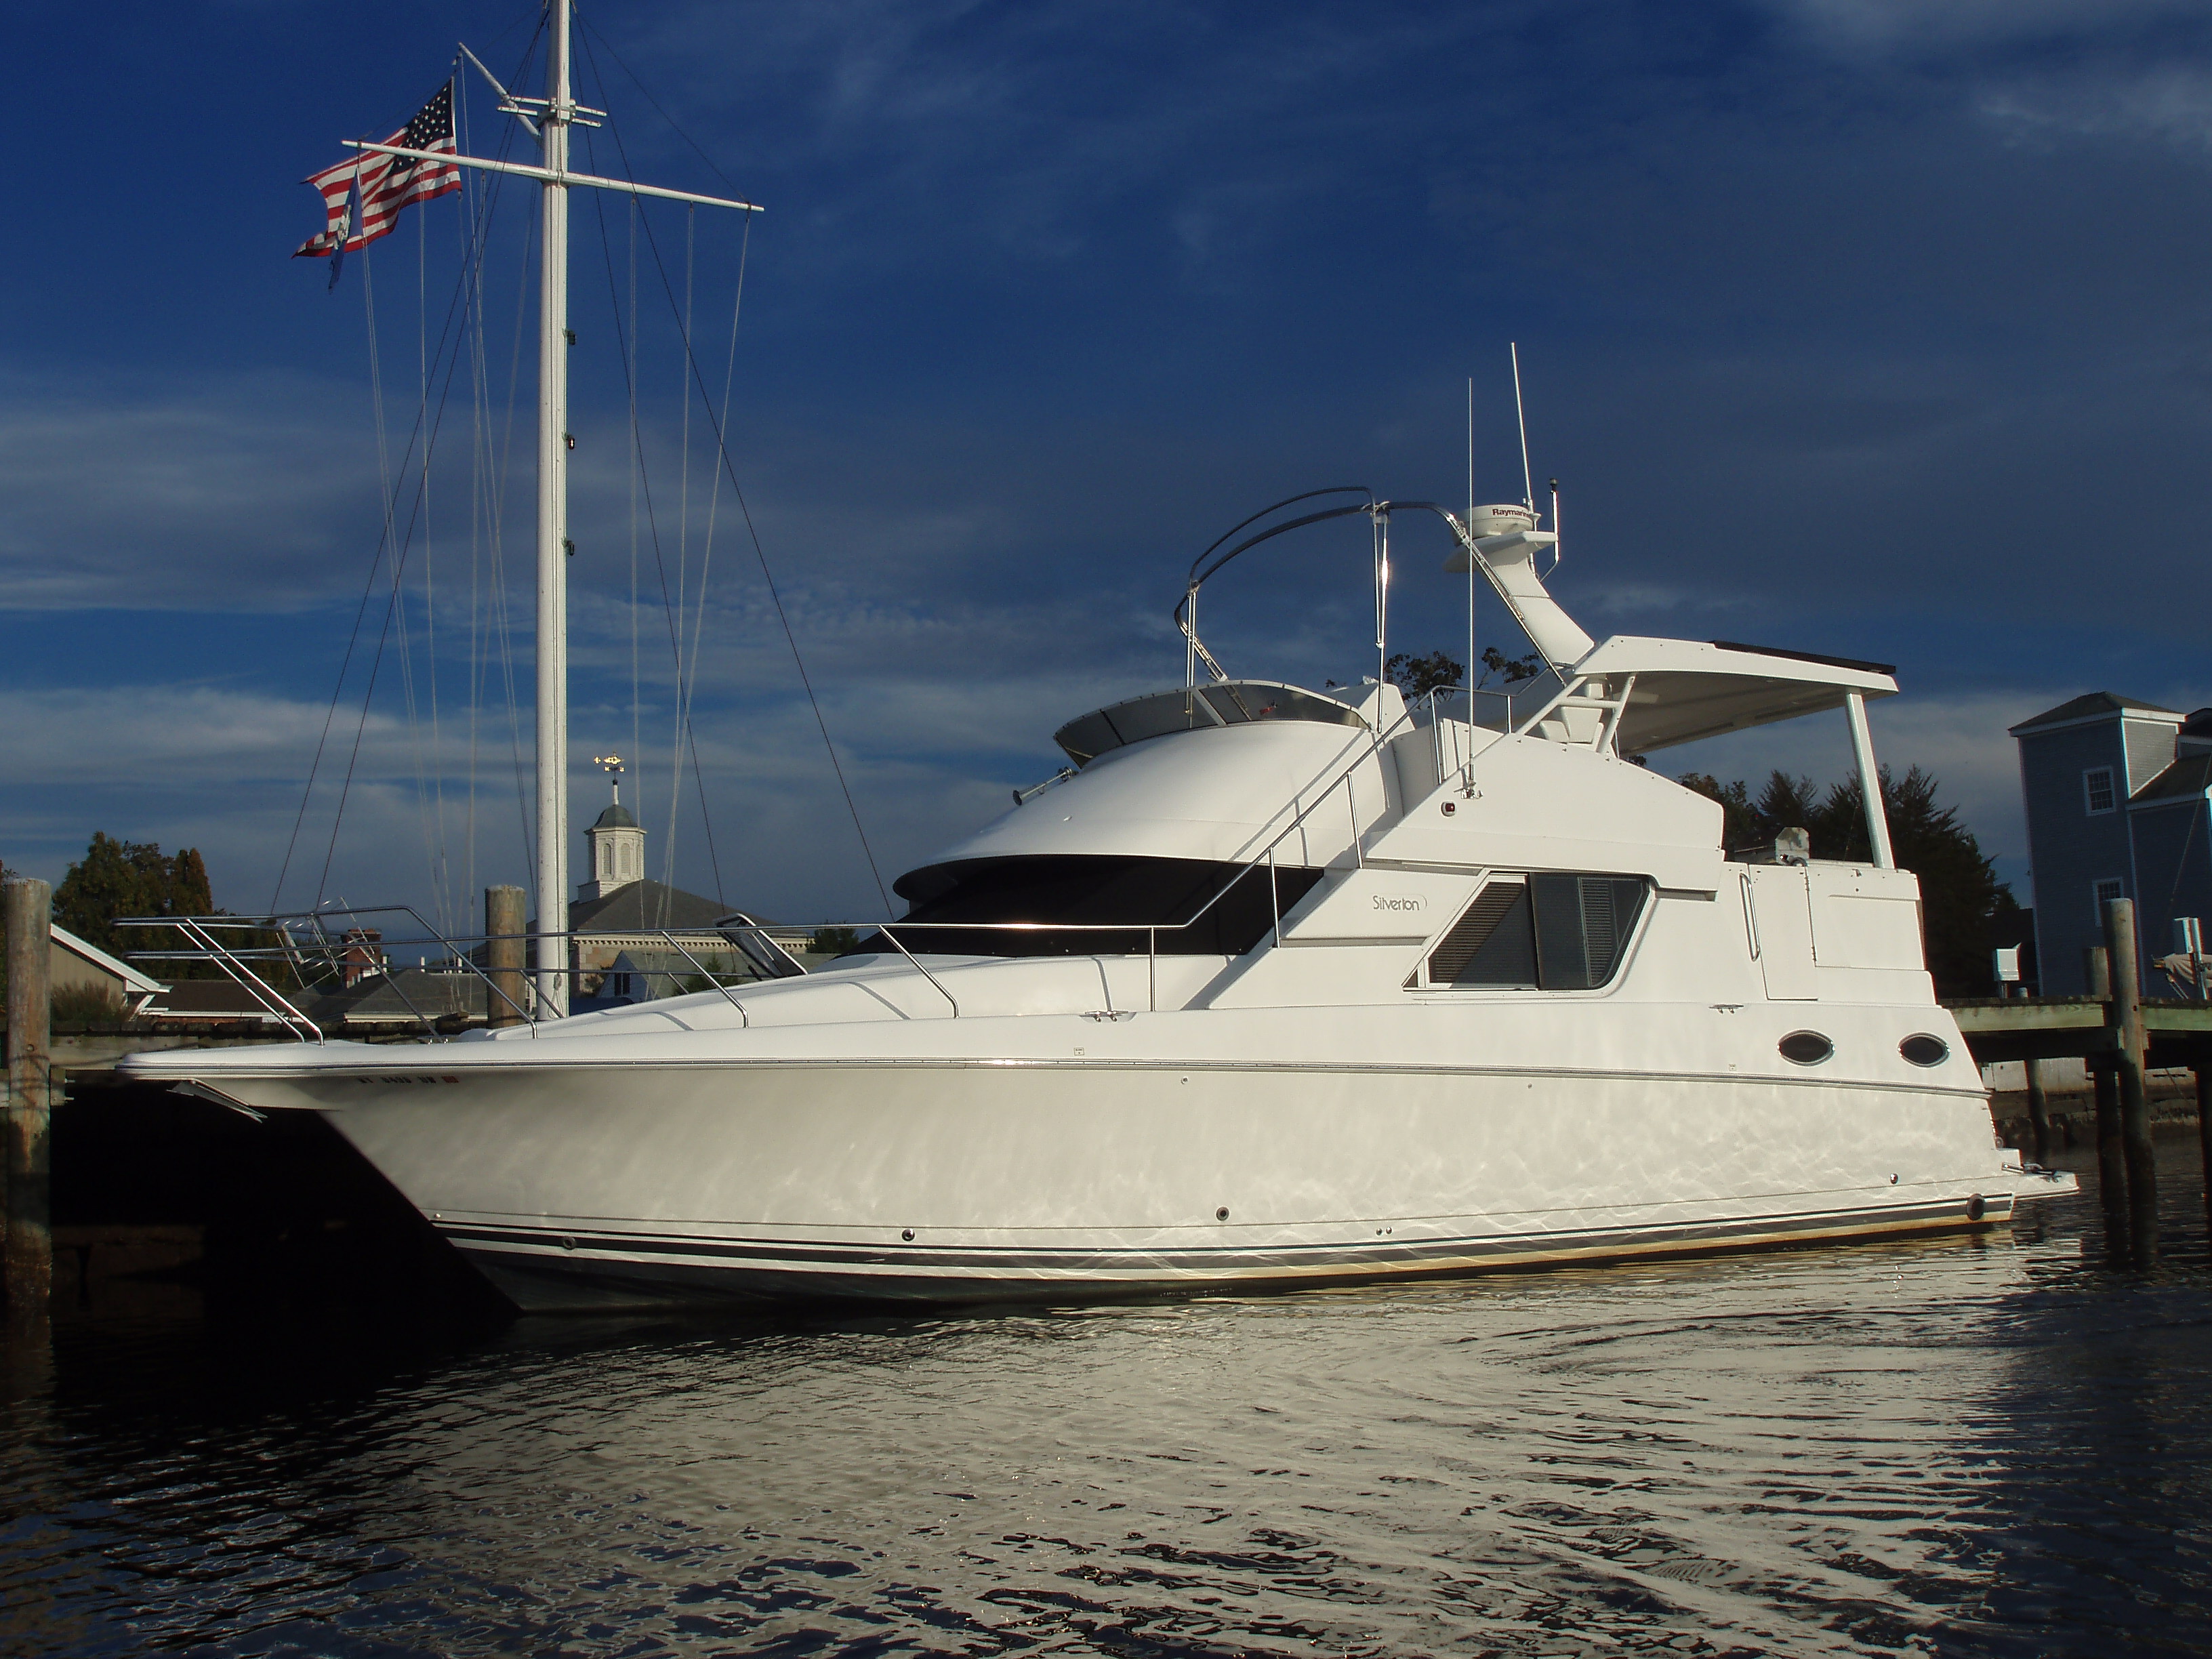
[1626,696]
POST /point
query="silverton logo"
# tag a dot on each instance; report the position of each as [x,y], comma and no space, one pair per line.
[1400,901]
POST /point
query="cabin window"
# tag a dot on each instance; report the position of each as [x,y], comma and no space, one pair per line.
[2097,789]
[2110,887]
[1544,931]
[1083,906]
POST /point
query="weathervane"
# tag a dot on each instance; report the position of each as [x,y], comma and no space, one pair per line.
[612,766]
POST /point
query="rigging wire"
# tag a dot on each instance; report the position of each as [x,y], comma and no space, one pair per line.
[391,611]
[636,691]
[426,429]
[480,215]
[651,516]
[474,339]
[489,634]
[505,618]
[707,554]
[585,24]
[760,553]
[682,543]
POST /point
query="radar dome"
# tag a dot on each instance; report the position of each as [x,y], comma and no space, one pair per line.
[1501,520]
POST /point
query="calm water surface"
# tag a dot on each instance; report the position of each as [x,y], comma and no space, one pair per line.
[1952,1447]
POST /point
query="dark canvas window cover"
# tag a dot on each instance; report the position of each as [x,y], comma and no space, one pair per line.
[1120,897]
[1236,702]
[1553,933]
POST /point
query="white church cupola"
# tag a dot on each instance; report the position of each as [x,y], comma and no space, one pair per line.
[617,842]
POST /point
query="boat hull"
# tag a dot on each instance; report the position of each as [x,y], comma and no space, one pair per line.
[995,1180]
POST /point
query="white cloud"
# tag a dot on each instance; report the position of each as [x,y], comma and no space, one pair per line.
[229,495]
[1928,28]
[2169,103]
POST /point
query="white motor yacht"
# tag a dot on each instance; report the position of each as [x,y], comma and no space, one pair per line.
[1269,987]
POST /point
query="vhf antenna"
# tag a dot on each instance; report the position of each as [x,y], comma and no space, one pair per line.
[1527,482]
[1467,779]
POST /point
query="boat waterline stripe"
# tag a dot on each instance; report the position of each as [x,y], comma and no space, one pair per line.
[574,1245]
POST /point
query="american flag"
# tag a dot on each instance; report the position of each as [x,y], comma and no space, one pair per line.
[385,183]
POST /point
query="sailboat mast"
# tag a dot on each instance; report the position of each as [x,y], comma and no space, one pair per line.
[553,530]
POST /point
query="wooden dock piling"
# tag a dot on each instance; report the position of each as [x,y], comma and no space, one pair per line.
[2104,1080]
[2038,1112]
[30,1245]
[2131,1050]
[504,949]
[2201,1071]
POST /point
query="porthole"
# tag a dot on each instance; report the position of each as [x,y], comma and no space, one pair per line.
[1923,1049]
[1806,1048]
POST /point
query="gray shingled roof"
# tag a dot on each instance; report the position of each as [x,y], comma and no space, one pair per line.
[2090,704]
[643,906]
[411,993]
[2190,775]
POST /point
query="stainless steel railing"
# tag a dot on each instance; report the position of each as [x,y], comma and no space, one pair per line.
[309,945]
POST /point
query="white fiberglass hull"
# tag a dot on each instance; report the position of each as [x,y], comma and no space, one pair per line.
[955,1177]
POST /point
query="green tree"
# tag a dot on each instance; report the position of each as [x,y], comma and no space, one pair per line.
[1508,669]
[132,878]
[1418,676]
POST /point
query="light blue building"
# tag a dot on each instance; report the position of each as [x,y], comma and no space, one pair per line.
[2117,791]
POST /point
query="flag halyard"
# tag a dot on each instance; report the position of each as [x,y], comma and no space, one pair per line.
[364,194]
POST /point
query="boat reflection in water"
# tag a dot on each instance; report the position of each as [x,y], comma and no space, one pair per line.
[1924,1445]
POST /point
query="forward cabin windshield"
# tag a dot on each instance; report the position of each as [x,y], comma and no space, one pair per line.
[1085,905]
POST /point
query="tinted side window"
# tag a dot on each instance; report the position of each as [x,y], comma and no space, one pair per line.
[1556,932]
[1494,944]
[1583,923]
[1230,908]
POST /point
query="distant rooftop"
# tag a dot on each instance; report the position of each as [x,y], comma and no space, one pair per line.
[646,907]
[2185,779]
[2091,704]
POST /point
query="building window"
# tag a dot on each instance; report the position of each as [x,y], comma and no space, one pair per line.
[2110,887]
[2097,786]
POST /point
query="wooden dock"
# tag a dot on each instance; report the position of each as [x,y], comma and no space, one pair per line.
[2123,1037]
[2080,1028]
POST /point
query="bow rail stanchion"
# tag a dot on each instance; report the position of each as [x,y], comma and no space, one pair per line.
[302,937]
[204,933]
[712,979]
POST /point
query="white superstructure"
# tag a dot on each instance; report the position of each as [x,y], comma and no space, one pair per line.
[1275,986]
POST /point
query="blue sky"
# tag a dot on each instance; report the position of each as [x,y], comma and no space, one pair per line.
[1862,326]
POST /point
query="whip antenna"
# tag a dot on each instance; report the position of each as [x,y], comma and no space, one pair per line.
[1527,482]
[1469,781]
